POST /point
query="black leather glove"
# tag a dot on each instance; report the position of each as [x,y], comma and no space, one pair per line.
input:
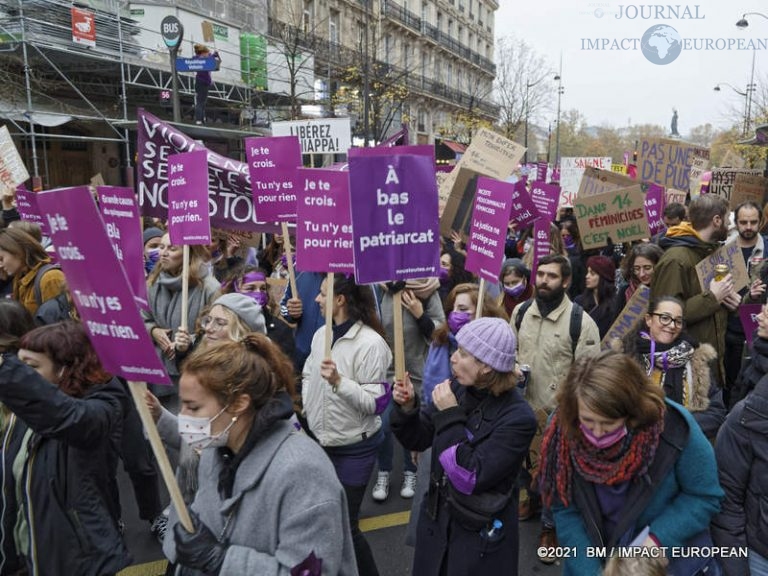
[200,549]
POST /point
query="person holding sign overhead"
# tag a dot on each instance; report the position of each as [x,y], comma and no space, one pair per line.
[343,395]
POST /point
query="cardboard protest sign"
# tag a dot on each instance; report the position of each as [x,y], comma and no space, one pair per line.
[732,160]
[619,168]
[393,199]
[699,165]
[12,169]
[635,308]
[489,154]
[188,220]
[724,179]
[491,214]
[318,136]
[730,255]
[324,225]
[618,215]
[748,314]
[545,197]
[671,195]
[595,181]
[26,204]
[230,205]
[571,171]
[654,199]
[541,243]
[667,162]
[272,163]
[121,220]
[99,286]
[749,187]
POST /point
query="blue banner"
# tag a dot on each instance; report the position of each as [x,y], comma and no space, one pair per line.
[208,63]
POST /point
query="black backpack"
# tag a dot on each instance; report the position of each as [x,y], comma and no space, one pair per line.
[577,312]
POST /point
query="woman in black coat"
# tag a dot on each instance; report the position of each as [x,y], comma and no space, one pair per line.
[480,429]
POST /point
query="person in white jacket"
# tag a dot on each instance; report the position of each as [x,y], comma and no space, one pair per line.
[343,395]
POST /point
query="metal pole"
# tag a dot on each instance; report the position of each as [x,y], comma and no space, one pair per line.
[175,86]
[559,94]
[525,154]
[124,97]
[36,184]
[750,91]
[366,88]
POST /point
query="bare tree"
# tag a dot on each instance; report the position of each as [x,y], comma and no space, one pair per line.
[523,84]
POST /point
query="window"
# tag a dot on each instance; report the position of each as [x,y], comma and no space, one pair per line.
[449,74]
[406,55]
[421,123]
[388,48]
[439,21]
[333,26]
[425,12]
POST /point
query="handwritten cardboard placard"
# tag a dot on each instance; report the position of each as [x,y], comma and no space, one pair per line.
[12,169]
[491,214]
[748,314]
[749,188]
[618,215]
[674,196]
[99,286]
[633,310]
[619,168]
[571,171]
[724,179]
[667,162]
[595,181]
[699,165]
[730,255]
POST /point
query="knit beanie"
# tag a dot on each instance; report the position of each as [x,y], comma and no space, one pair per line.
[603,267]
[150,233]
[244,308]
[491,341]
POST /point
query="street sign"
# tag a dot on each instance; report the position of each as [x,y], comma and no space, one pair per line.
[172,32]
[196,64]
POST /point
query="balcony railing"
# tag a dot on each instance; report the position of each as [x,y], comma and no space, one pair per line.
[401,15]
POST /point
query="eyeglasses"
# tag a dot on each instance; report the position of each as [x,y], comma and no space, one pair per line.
[218,323]
[666,319]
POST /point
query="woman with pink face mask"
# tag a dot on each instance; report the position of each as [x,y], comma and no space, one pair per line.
[623,466]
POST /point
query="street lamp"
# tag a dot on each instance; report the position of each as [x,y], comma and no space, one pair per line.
[560,91]
[526,104]
[743,23]
[748,96]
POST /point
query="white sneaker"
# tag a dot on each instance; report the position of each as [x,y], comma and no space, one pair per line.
[381,489]
[409,485]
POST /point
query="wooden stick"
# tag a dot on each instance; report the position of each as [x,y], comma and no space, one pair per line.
[184,289]
[289,260]
[328,314]
[138,392]
[397,308]
[480,298]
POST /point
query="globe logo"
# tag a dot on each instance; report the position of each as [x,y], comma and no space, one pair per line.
[661,44]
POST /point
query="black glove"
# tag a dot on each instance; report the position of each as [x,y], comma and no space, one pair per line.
[200,549]
[396,287]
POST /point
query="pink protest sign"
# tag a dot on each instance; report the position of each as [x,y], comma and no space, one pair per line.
[272,163]
[99,286]
[121,218]
[541,244]
[524,210]
[541,171]
[654,199]
[394,205]
[26,204]
[188,219]
[545,197]
[324,223]
[748,314]
[490,216]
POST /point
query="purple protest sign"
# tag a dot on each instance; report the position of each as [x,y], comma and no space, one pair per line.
[324,225]
[273,163]
[188,220]
[545,197]
[524,210]
[26,204]
[99,286]
[748,314]
[541,171]
[394,205]
[541,244]
[654,199]
[490,217]
[121,220]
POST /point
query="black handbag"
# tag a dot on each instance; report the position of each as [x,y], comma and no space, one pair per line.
[475,512]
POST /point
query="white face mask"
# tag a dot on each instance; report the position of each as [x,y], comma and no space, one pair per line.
[196,432]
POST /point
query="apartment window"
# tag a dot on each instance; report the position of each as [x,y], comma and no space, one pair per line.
[306,17]
[460,35]
[421,120]
[425,12]
[333,26]
[220,6]
[388,48]
[406,55]
[460,78]
[424,63]
[439,21]
[449,74]
[450,27]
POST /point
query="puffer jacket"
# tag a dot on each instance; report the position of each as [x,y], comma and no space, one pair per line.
[348,414]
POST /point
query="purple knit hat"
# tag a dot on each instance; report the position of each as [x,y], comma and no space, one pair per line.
[491,341]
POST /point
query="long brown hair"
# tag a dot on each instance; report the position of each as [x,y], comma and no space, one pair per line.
[23,246]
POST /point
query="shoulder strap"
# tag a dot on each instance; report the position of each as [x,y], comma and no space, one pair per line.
[577,314]
[521,312]
[39,278]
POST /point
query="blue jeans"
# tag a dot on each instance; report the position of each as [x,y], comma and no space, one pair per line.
[758,565]
[387,448]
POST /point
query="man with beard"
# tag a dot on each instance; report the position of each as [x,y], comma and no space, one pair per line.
[706,311]
[545,334]
[748,222]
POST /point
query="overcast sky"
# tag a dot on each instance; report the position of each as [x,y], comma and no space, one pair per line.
[622,87]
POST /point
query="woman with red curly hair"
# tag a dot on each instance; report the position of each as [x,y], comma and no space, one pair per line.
[68,410]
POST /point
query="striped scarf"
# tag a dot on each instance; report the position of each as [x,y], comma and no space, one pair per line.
[562,455]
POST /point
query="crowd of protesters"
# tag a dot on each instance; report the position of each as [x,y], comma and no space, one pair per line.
[522,408]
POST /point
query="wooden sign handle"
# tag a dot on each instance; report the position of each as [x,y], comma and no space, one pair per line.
[328,314]
[184,289]
[289,260]
[399,343]
[480,299]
